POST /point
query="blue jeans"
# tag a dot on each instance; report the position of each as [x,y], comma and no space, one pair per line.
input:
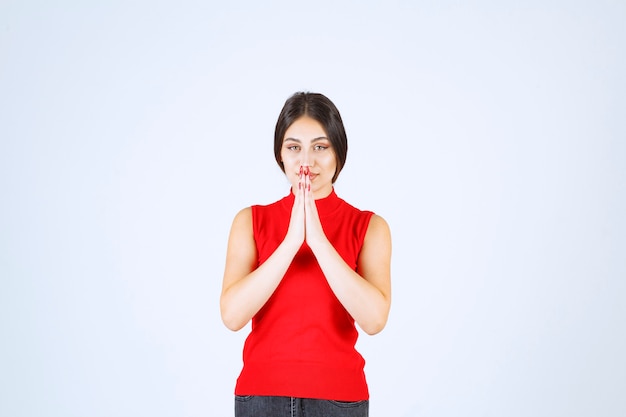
[262,406]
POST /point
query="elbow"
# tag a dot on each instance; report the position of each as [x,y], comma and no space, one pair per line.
[231,320]
[375,326]
[231,323]
[372,330]
[376,323]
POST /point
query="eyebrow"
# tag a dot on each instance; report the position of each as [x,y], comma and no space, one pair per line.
[299,141]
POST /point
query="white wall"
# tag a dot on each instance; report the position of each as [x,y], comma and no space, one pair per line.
[491,136]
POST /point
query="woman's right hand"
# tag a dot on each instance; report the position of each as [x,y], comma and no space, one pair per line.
[246,287]
[296,232]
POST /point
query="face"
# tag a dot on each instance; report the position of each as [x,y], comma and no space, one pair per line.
[306,144]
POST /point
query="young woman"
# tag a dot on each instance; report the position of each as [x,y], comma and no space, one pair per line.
[304,269]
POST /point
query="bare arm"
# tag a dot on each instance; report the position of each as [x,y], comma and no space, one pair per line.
[366,295]
[246,289]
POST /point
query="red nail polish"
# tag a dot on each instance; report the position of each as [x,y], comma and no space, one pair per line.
[309,187]
[301,170]
[306,171]
[299,186]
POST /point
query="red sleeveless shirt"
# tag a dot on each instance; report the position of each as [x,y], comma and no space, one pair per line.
[302,342]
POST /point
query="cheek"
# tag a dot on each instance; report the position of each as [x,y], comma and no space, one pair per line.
[330,161]
[288,160]
[289,163]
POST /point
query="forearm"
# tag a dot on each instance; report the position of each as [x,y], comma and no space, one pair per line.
[364,302]
[244,298]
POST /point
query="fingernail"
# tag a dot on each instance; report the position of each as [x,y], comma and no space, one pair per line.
[306,171]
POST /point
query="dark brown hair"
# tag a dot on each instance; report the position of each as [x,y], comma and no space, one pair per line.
[318,107]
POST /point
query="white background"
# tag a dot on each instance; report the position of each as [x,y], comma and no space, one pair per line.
[490,135]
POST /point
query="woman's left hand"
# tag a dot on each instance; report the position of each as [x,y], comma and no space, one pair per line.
[314,233]
[365,295]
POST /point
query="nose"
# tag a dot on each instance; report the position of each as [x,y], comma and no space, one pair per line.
[307,159]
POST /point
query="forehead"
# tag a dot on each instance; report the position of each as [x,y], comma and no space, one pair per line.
[305,128]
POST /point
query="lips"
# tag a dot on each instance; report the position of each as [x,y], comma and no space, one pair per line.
[306,171]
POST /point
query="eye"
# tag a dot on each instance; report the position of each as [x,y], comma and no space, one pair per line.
[320,147]
[293,147]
